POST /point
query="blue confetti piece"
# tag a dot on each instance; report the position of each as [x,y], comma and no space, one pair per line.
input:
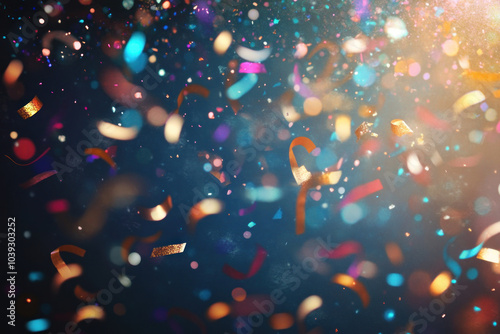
[134,47]
[468,253]
[37,325]
[477,309]
[451,263]
[242,87]
[278,214]
[251,224]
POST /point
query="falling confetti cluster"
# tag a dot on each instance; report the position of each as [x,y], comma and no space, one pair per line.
[148,187]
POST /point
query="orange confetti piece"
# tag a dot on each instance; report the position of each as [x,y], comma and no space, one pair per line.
[59,263]
[207,206]
[334,52]
[399,127]
[363,129]
[489,254]
[191,89]
[89,312]
[101,154]
[354,285]
[168,250]
[158,212]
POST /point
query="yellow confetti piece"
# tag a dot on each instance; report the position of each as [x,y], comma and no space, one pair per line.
[31,108]
[468,100]
[168,250]
[489,254]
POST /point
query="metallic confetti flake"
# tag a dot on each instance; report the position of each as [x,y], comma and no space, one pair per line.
[399,127]
[363,129]
[168,250]
[31,108]
[489,254]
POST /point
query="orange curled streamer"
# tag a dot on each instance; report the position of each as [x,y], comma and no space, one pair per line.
[129,241]
[301,174]
[191,89]
[489,254]
[207,206]
[482,76]
[354,285]
[59,263]
[101,154]
[158,212]
[334,51]
[317,179]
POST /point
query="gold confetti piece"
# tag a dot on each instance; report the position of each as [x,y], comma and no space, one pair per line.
[440,283]
[130,240]
[13,72]
[364,129]
[308,305]
[353,284]
[59,263]
[301,174]
[218,310]
[116,132]
[89,312]
[158,212]
[399,127]
[222,42]
[168,250]
[489,254]
[468,100]
[31,108]
[207,206]
[173,128]
[343,127]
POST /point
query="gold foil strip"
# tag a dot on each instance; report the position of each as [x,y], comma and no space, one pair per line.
[30,108]
[89,312]
[400,128]
[158,212]
[59,263]
[168,250]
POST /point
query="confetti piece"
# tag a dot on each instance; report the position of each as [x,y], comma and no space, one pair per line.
[218,311]
[62,36]
[394,253]
[13,72]
[89,312]
[317,179]
[116,132]
[450,262]
[399,127]
[395,28]
[242,87]
[301,87]
[357,44]
[482,76]
[487,233]
[246,211]
[308,305]
[40,156]
[173,128]
[190,89]
[207,206]
[158,212]
[344,249]
[247,67]
[37,325]
[281,321]
[363,129]
[361,191]
[278,214]
[168,250]
[343,127]
[102,154]
[223,42]
[30,108]
[489,254]
[467,254]
[257,262]
[440,284]
[134,47]
[301,174]
[186,314]
[231,80]
[430,119]
[59,263]
[37,178]
[467,100]
[256,56]
[354,285]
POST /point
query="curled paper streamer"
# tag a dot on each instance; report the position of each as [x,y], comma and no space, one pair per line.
[301,174]
[247,67]
[37,178]
[468,253]
[256,56]
[317,179]
[354,285]
[399,127]
[489,254]
[191,89]
[257,262]
[158,212]
[63,36]
[334,51]
[308,305]
[450,262]
[101,154]
[361,191]
[487,233]
[207,206]
[29,163]
[116,132]
[467,100]
[59,263]
[30,108]
[242,87]
[129,241]
[89,312]
[168,250]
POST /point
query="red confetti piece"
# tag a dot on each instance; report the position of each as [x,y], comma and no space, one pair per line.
[29,163]
[246,211]
[37,178]
[257,262]
[343,250]
[361,191]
